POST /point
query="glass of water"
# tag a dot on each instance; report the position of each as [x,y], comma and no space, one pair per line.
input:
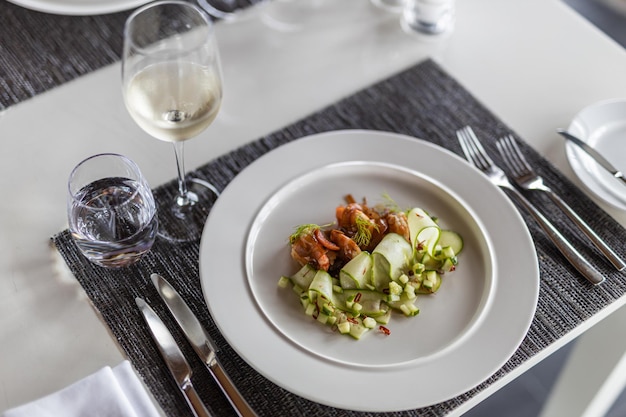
[430,17]
[111,210]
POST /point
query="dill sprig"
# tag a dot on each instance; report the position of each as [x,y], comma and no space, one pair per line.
[391,204]
[303,229]
[363,232]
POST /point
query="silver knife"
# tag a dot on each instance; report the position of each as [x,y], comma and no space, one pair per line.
[176,362]
[593,153]
[202,344]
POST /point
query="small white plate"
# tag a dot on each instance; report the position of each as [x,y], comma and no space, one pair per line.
[462,335]
[79,7]
[603,126]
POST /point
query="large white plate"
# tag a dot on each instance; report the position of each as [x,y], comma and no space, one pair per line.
[79,7]
[603,126]
[463,334]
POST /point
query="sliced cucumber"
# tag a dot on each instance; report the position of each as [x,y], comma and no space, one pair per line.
[451,239]
[356,273]
[384,319]
[423,230]
[390,259]
[322,285]
[304,276]
[371,302]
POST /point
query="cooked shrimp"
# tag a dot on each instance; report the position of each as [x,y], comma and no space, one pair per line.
[305,249]
[398,223]
[323,240]
[347,216]
[348,248]
[355,223]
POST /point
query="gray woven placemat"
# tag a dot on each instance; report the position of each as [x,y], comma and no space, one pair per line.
[40,51]
[422,101]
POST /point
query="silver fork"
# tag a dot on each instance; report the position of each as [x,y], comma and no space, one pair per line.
[475,153]
[526,177]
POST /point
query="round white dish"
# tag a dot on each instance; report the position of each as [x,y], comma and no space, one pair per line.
[603,126]
[463,334]
[79,7]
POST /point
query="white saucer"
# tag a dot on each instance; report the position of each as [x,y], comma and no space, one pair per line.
[79,7]
[603,126]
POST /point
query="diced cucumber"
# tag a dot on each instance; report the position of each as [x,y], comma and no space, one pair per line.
[283,282]
[395,288]
[344,327]
[357,272]
[328,309]
[409,310]
[384,319]
[449,264]
[418,268]
[393,297]
[430,262]
[357,330]
[310,309]
[409,290]
[406,305]
[430,283]
[298,290]
[369,322]
[322,318]
[372,302]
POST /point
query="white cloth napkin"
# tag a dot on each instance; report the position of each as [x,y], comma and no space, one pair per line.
[116,392]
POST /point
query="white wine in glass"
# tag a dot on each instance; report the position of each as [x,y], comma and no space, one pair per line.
[172,86]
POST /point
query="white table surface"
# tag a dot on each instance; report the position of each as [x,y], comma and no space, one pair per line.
[534,63]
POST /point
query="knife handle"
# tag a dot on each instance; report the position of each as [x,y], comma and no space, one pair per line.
[617,262]
[571,254]
[194,401]
[235,398]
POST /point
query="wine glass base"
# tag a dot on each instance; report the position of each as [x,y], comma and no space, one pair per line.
[183,221]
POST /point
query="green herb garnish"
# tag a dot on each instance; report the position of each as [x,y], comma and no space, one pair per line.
[301,230]
[363,232]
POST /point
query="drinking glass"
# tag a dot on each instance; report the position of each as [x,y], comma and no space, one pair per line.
[111,210]
[390,5]
[224,9]
[430,17]
[172,87]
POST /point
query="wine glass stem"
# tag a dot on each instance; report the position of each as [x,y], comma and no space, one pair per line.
[183,198]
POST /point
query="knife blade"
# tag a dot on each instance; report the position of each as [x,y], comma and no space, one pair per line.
[174,358]
[202,343]
[593,153]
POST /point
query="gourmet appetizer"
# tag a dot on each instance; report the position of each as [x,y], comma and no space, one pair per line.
[370,261]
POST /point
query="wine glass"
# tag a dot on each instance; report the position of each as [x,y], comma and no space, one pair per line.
[172,86]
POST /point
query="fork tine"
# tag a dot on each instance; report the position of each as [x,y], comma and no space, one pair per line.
[479,147]
[473,149]
[510,151]
[465,147]
[508,154]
